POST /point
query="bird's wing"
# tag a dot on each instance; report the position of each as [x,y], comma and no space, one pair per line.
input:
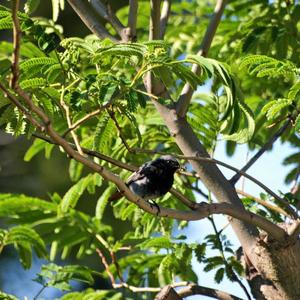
[144,170]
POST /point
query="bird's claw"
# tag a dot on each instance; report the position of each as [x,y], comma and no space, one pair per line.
[153,203]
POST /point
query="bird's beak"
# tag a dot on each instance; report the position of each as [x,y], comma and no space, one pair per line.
[181,168]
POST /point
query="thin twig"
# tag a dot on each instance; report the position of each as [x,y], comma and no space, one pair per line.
[132,18]
[259,153]
[88,117]
[121,135]
[199,191]
[187,91]
[68,116]
[189,287]
[229,268]
[115,262]
[136,289]
[82,120]
[91,153]
[39,292]
[90,19]
[262,202]
[106,266]
[154,30]
[165,12]
[16,37]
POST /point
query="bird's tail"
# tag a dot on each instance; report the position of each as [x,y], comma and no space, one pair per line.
[116,196]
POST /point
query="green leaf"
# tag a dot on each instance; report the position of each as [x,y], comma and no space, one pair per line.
[5,296]
[200,251]
[23,238]
[103,201]
[294,90]
[75,170]
[32,83]
[36,63]
[72,196]
[244,135]
[156,242]
[165,269]
[35,148]
[59,277]
[104,132]
[6,23]
[219,275]
[11,205]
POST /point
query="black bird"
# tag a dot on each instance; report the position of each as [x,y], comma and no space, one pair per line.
[153,179]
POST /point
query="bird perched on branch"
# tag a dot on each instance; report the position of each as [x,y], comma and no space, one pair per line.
[153,179]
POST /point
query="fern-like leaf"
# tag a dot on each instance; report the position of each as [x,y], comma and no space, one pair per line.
[72,196]
[263,65]
[32,83]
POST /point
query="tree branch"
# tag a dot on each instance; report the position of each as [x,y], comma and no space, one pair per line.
[215,161]
[154,27]
[82,120]
[264,203]
[188,203]
[16,37]
[203,210]
[107,14]
[84,11]
[106,266]
[187,91]
[194,289]
[189,290]
[165,12]
[121,135]
[259,153]
[132,18]
[167,293]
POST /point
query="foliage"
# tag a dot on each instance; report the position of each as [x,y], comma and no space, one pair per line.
[245,89]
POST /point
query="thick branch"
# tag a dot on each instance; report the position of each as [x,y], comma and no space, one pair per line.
[154,30]
[259,153]
[187,91]
[165,12]
[86,14]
